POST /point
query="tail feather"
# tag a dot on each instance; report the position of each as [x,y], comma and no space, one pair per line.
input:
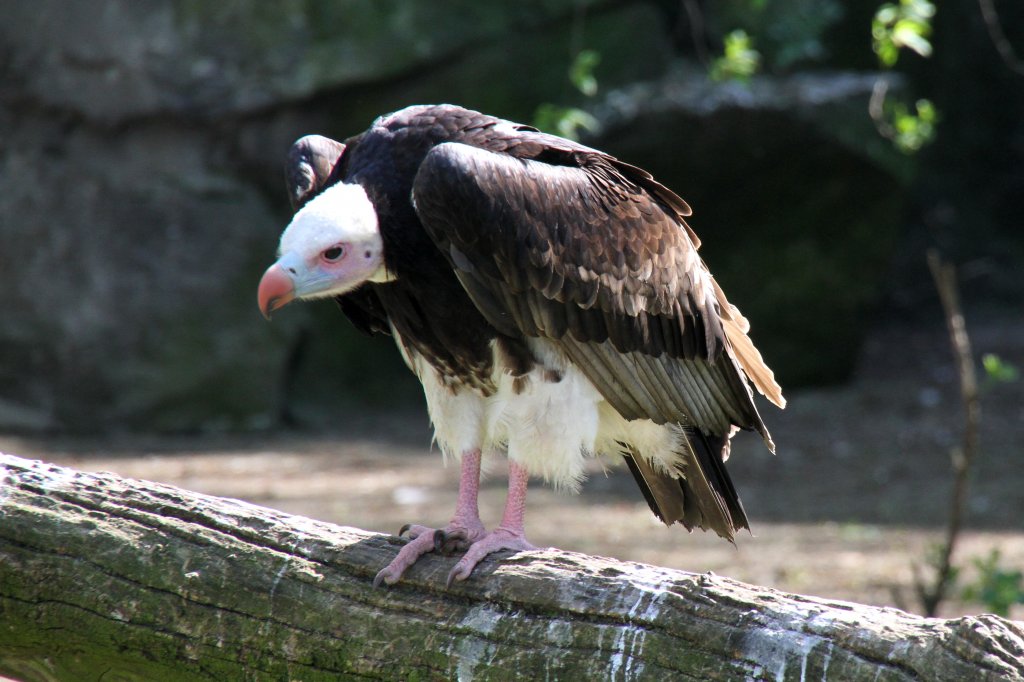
[700,495]
[660,490]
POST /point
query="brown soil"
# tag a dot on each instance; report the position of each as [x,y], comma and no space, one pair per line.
[857,495]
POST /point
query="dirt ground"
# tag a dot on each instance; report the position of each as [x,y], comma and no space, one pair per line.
[857,494]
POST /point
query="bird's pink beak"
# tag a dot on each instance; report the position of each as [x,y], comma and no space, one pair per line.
[276,290]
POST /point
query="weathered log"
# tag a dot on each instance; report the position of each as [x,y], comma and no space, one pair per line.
[108,578]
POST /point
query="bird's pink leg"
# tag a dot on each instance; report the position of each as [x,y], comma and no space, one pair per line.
[464,529]
[509,534]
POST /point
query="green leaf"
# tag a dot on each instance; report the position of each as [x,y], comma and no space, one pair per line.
[581,71]
[911,130]
[740,60]
[912,35]
[564,121]
[997,588]
[998,370]
[906,25]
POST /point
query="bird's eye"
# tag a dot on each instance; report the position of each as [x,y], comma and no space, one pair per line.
[334,253]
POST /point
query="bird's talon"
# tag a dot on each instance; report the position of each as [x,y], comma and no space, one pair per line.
[455,574]
[448,543]
[381,577]
[439,540]
[404,529]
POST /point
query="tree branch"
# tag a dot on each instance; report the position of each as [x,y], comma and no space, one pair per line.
[103,576]
[995,32]
[962,458]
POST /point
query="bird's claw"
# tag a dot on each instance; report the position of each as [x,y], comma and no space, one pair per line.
[423,540]
[439,539]
[459,573]
[414,530]
[447,543]
[385,575]
[495,541]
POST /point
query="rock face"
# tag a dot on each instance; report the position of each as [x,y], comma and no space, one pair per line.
[127,257]
[140,152]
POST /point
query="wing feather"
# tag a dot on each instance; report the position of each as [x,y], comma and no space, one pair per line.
[595,255]
[618,393]
[308,166]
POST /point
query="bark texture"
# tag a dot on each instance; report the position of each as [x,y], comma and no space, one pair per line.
[109,578]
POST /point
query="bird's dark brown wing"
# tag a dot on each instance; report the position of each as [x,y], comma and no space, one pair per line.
[584,254]
[309,164]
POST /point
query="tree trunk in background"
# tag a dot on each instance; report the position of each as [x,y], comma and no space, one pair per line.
[110,578]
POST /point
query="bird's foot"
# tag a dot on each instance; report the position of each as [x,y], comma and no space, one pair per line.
[455,537]
[498,539]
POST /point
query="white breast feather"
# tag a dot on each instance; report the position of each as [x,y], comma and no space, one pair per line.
[548,427]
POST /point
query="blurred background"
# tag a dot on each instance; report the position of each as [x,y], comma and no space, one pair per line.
[825,146]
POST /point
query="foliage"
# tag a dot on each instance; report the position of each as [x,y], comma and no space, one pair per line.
[788,31]
[740,61]
[912,130]
[997,371]
[895,27]
[906,25]
[581,71]
[997,588]
[565,120]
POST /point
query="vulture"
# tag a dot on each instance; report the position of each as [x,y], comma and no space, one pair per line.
[550,299]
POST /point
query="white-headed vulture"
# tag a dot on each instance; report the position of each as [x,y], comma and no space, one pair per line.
[549,297]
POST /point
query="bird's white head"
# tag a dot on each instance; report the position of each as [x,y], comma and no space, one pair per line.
[332,245]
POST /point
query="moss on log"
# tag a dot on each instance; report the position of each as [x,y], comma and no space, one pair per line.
[108,578]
